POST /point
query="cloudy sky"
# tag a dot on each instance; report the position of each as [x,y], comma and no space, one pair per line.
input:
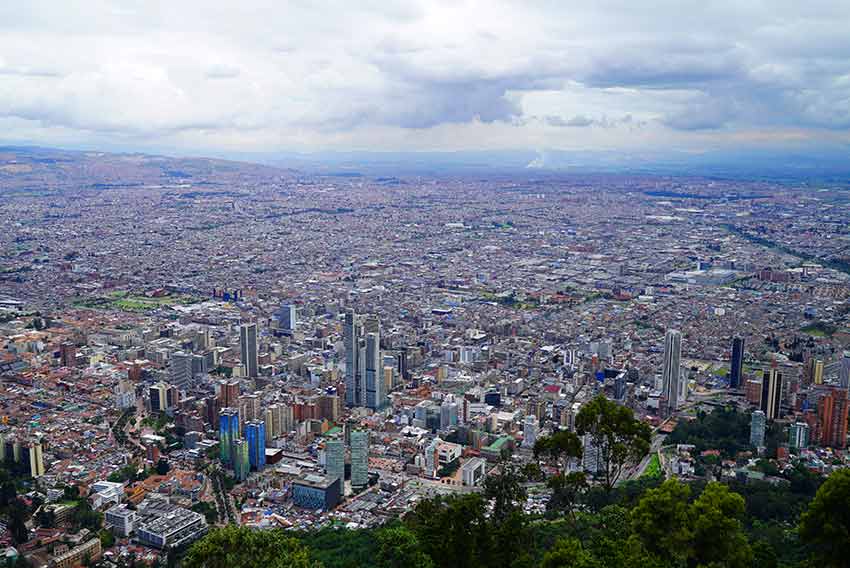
[258,76]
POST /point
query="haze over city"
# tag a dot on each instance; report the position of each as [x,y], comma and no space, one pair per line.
[424,284]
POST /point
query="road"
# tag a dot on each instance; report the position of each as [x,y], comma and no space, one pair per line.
[637,471]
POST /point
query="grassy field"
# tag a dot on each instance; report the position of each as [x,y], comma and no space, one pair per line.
[121,300]
[654,467]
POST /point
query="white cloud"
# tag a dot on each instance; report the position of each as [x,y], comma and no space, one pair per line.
[435,74]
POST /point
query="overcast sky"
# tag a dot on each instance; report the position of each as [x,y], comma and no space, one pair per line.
[438,75]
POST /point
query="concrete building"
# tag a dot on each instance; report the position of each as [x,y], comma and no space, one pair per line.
[166,526]
[472,472]
[316,492]
[120,520]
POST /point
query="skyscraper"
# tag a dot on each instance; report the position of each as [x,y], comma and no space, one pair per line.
[620,386]
[228,432]
[351,340]
[68,354]
[241,459]
[375,389]
[674,389]
[530,429]
[757,424]
[817,372]
[248,345]
[288,318]
[180,373]
[798,435]
[335,459]
[844,371]
[832,418]
[737,366]
[364,380]
[33,455]
[255,435]
[359,458]
[158,397]
[771,393]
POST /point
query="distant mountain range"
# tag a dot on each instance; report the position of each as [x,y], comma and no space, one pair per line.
[823,165]
[30,168]
[25,168]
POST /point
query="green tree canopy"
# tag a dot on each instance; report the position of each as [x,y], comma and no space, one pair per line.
[400,548]
[825,526]
[241,547]
[619,438]
[561,447]
[660,520]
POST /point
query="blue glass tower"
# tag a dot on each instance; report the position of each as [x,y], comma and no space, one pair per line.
[255,434]
[228,432]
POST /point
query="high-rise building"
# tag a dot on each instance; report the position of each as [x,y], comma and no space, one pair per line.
[798,435]
[757,425]
[228,432]
[673,383]
[229,394]
[33,454]
[832,418]
[241,459]
[844,371]
[288,318]
[335,459]
[248,346]
[359,458]
[375,391]
[255,435]
[817,372]
[448,414]
[180,373]
[68,354]
[771,393]
[158,394]
[530,429]
[737,366]
[351,340]
[203,339]
[620,382]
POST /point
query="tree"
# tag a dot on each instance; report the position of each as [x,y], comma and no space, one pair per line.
[566,492]
[107,540]
[561,447]
[825,526]
[17,522]
[241,547]
[162,466]
[568,553]
[718,537]
[399,548]
[660,520]
[453,530]
[505,490]
[617,436]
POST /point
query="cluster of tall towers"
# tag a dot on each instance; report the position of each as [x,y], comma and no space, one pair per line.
[364,381]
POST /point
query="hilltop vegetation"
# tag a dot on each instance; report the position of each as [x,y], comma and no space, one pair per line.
[650,523]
